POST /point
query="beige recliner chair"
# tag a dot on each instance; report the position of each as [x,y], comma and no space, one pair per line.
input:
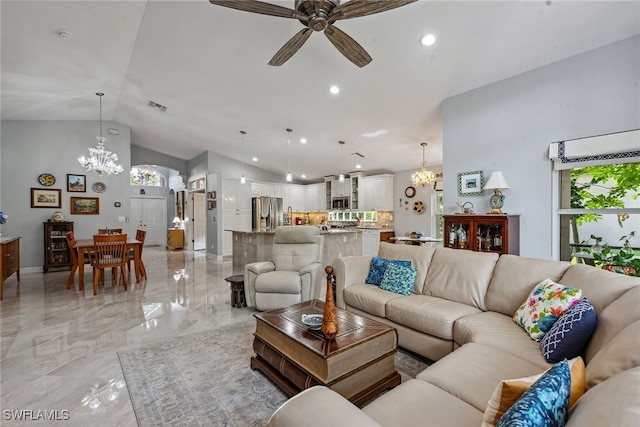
[295,273]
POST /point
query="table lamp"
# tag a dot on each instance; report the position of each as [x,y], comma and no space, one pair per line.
[176,222]
[496,183]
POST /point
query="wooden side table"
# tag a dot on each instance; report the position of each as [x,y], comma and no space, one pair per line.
[236,284]
[175,238]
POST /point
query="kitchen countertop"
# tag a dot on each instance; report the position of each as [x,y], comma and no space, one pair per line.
[329,231]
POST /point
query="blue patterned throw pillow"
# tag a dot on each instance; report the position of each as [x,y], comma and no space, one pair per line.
[570,333]
[545,404]
[398,279]
[378,266]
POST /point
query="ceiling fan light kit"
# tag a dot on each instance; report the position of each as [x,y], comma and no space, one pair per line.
[318,15]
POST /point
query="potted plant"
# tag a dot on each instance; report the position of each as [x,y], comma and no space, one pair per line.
[623,260]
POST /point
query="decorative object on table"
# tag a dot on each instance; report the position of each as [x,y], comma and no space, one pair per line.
[466,208]
[100,160]
[418,206]
[496,183]
[76,183]
[319,16]
[423,176]
[176,222]
[313,321]
[410,191]
[85,205]
[46,179]
[57,217]
[470,183]
[46,198]
[329,326]
[99,187]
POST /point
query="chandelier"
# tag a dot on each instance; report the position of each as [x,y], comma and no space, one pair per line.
[423,176]
[100,160]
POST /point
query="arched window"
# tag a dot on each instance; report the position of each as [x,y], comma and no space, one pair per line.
[147,176]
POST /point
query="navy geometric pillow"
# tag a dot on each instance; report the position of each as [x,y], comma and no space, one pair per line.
[570,333]
[545,404]
[378,266]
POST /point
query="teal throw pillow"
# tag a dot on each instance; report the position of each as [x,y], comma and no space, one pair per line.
[398,279]
[378,266]
[545,404]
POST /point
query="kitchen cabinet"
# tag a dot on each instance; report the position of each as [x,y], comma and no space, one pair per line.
[371,240]
[236,211]
[483,233]
[267,189]
[9,259]
[341,189]
[376,192]
[175,238]
[315,198]
[355,187]
[56,251]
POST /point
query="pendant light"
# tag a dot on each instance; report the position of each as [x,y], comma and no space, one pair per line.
[341,176]
[100,160]
[423,176]
[289,176]
[243,180]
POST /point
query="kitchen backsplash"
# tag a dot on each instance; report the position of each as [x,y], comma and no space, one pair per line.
[384,219]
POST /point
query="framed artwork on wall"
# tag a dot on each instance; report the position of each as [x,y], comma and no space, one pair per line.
[46,198]
[470,183]
[76,183]
[85,205]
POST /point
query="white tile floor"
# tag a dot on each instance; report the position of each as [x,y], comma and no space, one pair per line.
[59,346]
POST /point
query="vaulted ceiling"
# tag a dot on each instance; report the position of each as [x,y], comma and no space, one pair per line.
[208,65]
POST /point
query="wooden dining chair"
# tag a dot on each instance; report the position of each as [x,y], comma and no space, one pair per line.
[111,230]
[71,242]
[140,235]
[109,252]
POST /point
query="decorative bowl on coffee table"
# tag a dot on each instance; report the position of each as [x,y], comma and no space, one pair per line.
[313,321]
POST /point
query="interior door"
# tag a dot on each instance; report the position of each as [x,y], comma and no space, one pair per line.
[199,216]
[150,214]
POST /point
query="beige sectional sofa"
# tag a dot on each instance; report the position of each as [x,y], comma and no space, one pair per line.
[459,315]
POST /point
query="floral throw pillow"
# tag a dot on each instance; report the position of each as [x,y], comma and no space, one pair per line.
[398,279]
[378,266]
[544,305]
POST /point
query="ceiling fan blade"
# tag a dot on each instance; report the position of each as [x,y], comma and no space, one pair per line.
[262,8]
[347,46]
[357,8]
[290,47]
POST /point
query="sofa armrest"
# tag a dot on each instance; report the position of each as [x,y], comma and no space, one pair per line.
[311,276]
[319,407]
[251,272]
[349,271]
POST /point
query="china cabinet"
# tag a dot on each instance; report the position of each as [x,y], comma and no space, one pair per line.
[483,233]
[56,251]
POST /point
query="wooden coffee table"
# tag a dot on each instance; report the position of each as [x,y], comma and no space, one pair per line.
[358,364]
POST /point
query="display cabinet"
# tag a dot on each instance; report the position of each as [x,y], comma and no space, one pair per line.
[56,251]
[9,259]
[483,233]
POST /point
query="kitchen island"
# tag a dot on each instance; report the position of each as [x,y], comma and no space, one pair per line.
[252,246]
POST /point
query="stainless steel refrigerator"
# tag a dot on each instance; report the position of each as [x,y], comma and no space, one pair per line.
[267,213]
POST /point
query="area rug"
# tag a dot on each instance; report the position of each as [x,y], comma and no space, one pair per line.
[204,379]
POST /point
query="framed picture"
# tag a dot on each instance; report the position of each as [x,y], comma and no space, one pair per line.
[212,195]
[470,183]
[180,205]
[76,183]
[46,198]
[211,204]
[85,205]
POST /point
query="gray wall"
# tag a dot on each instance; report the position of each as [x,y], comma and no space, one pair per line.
[30,148]
[509,125]
[407,219]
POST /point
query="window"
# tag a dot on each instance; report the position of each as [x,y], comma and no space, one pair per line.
[146,176]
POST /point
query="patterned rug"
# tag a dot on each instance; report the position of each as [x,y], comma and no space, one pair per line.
[204,379]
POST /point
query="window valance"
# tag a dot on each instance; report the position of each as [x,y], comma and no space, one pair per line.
[621,147]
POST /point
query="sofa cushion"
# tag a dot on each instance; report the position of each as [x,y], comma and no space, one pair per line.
[621,353]
[545,404]
[417,403]
[509,391]
[420,257]
[571,332]
[544,305]
[514,277]
[612,319]
[281,282]
[368,298]
[398,279]
[378,267]
[498,331]
[610,403]
[431,315]
[461,276]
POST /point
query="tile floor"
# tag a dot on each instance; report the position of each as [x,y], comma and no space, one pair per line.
[59,346]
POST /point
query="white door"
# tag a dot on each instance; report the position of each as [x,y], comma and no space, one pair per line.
[199,217]
[150,214]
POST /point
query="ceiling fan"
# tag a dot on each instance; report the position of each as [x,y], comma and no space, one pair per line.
[318,15]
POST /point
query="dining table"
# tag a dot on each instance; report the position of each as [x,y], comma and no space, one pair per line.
[84,246]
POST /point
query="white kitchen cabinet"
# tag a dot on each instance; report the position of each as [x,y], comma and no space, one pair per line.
[315,197]
[376,193]
[263,189]
[236,211]
[298,198]
[370,242]
[341,189]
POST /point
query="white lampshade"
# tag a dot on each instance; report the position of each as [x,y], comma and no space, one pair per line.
[496,181]
[176,221]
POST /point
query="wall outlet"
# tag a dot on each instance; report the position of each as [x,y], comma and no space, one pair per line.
[121,219]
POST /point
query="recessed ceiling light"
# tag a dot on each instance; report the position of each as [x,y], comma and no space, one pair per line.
[334,89]
[427,40]
[303,175]
[303,140]
[255,159]
[358,166]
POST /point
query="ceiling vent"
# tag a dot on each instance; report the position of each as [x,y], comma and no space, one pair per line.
[157,106]
[358,154]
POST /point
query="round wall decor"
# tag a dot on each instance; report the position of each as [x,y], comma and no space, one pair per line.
[99,187]
[418,206]
[46,179]
[410,191]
